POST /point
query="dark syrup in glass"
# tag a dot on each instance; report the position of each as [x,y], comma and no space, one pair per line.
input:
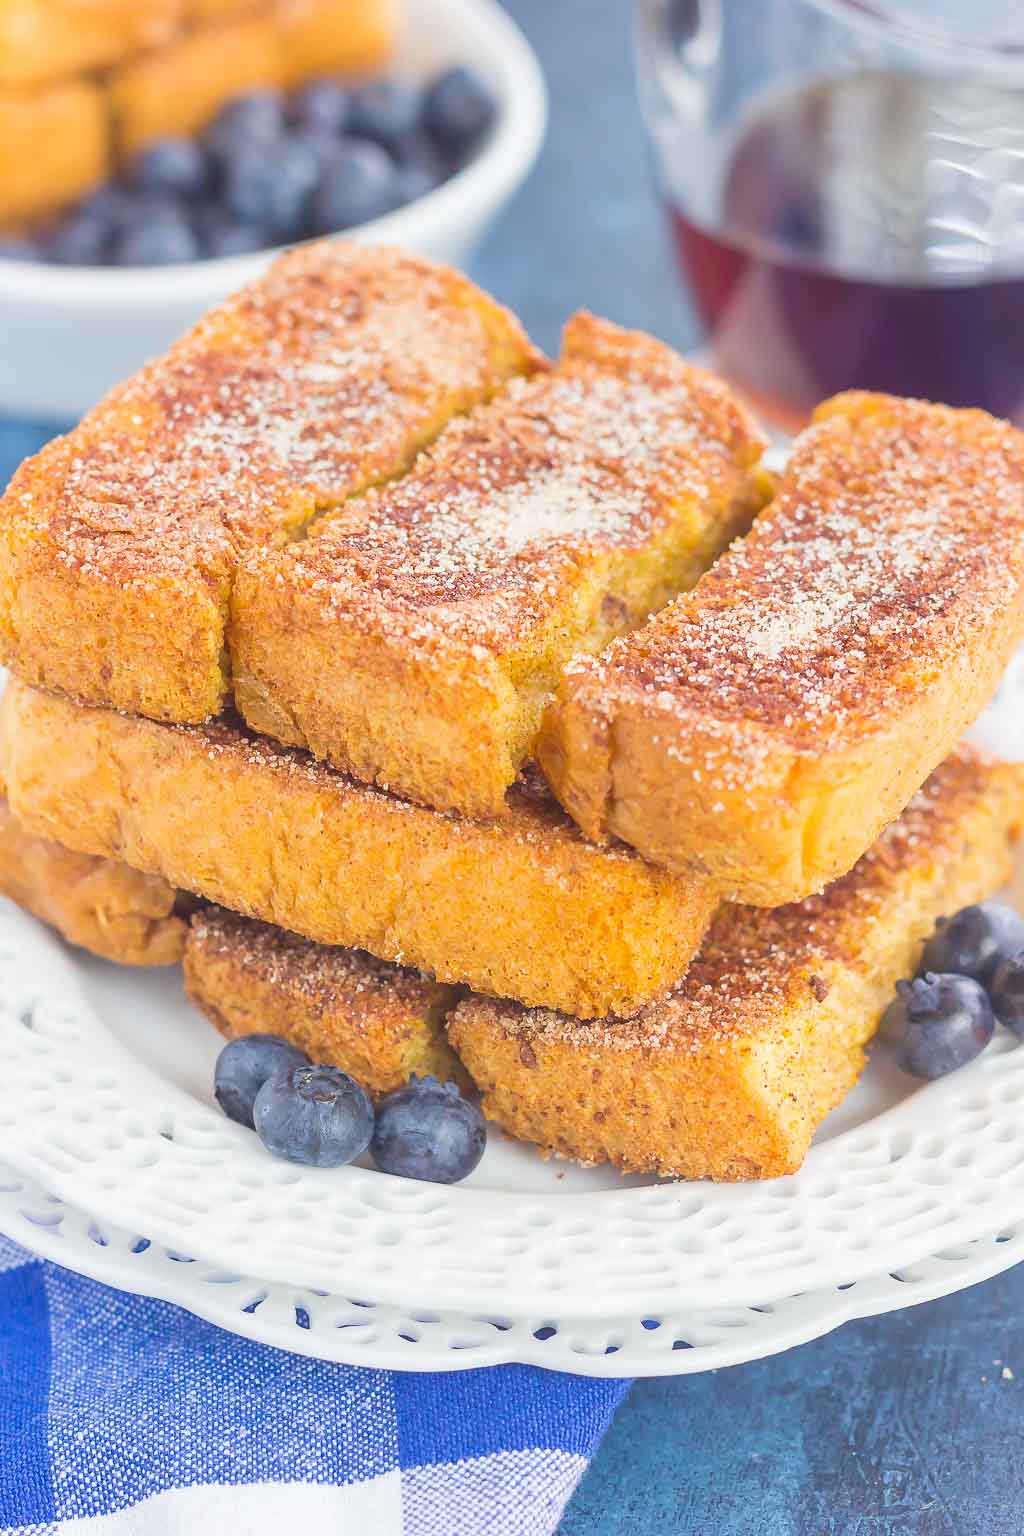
[870,232]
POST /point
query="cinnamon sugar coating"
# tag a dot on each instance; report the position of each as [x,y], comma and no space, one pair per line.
[413,637]
[378,1021]
[728,1076]
[763,729]
[119,543]
[519,906]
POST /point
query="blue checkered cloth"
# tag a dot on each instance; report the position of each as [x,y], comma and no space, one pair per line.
[122,1416]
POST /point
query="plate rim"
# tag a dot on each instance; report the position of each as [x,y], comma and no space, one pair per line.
[821,1312]
[896,1152]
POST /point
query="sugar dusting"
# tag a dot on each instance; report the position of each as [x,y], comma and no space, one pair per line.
[323,976]
[319,380]
[895,536]
[516,500]
[532,817]
[757,964]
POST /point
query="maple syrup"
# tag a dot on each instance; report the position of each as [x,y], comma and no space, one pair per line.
[870,233]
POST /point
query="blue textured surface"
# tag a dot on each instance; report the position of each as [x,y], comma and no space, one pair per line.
[900,1426]
[586,232]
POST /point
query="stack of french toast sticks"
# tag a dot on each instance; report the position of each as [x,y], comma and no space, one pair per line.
[452,710]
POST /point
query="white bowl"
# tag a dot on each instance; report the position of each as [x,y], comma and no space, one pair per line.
[68,333]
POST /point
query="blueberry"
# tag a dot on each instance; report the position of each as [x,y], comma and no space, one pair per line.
[458,110]
[411,182]
[81,240]
[124,210]
[172,165]
[975,940]
[114,203]
[244,1065]
[427,1130]
[233,239]
[322,104]
[271,185]
[357,185]
[320,142]
[220,234]
[315,1115]
[385,112]
[419,169]
[249,120]
[14,249]
[937,1023]
[122,206]
[157,242]
[1006,992]
[418,148]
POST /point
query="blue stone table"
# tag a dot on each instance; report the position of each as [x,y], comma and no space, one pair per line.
[900,1426]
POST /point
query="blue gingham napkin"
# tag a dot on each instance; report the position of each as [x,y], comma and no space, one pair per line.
[122,1416]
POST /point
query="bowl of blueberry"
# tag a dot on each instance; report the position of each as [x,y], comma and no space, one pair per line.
[424,155]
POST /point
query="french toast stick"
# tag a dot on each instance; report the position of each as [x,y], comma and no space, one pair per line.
[98,904]
[119,543]
[728,1077]
[519,905]
[380,1022]
[179,88]
[415,636]
[54,147]
[43,41]
[763,729]
[324,37]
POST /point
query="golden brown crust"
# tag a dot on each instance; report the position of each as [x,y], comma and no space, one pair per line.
[119,543]
[380,1022]
[763,729]
[520,906]
[730,1074]
[54,147]
[179,88]
[216,10]
[727,1077]
[42,41]
[413,637]
[99,904]
[321,37]
[591,456]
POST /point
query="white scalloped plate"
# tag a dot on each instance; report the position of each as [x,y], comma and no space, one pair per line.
[108,1103]
[334,1327]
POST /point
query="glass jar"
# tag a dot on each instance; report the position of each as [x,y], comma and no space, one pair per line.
[845,186]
